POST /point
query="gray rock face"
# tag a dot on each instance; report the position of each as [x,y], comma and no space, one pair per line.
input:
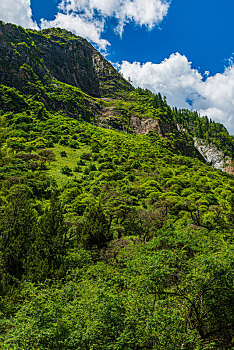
[212,154]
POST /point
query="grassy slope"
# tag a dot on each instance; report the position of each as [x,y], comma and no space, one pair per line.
[174,217]
[73,155]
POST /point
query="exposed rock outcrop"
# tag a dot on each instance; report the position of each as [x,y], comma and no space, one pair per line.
[144,126]
[212,154]
[230,168]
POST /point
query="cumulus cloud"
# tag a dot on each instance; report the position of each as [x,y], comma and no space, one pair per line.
[185,87]
[142,12]
[88,17]
[18,12]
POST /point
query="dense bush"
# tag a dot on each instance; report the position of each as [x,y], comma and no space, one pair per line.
[111,240]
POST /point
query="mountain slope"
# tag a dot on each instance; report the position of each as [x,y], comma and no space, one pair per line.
[55,54]
[114,231]
[64,73]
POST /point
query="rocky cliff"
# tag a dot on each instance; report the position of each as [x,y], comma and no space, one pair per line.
[212,154]
[55,54]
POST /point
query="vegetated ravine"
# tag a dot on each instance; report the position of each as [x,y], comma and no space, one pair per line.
[115,228]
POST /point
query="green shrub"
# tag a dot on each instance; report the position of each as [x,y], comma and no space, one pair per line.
[63,154]
[66,170]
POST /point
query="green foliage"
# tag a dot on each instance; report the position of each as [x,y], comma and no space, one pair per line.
[205,129]
[66,170]
[94,230]
[63,154]
[108,239]
[49,248]
[17,229]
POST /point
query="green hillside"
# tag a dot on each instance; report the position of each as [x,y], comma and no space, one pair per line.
[114,231]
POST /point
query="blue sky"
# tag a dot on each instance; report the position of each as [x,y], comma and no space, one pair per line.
[200,29]
[181,48]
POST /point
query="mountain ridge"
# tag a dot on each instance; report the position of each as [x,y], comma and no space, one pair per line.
[52,63]
[50,53]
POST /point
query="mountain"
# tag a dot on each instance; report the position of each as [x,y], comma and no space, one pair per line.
[61,69]
[53,55]
[115,230]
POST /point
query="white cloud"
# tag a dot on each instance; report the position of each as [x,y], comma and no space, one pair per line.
[18,12]
[184,86]
[144,12]
[88,17]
